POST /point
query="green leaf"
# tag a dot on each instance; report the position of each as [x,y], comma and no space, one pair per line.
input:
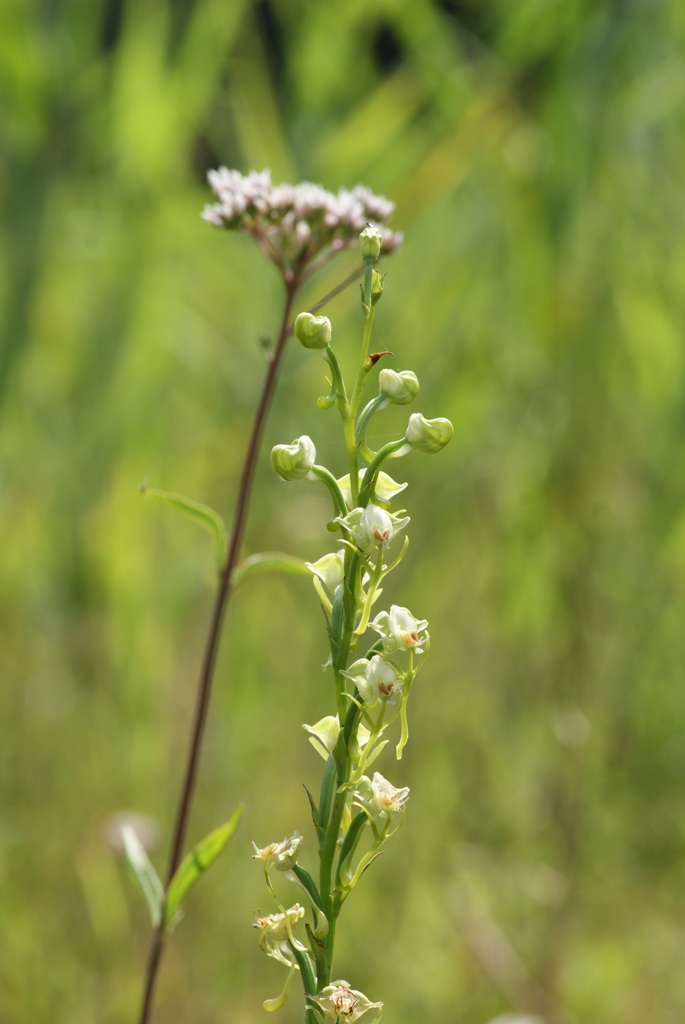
[328,781]
[144,874]
[203,515]
[308,883]
[349,843]
[269,561]
[194,865]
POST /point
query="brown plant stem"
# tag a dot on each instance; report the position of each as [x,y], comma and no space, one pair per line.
[214,635]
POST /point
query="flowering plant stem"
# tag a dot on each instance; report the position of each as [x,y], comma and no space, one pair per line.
[221,600]
[300,228]
[348,583]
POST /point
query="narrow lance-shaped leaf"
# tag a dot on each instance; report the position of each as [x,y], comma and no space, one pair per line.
[201,514]
[144,874]
[269,561]
[194,865]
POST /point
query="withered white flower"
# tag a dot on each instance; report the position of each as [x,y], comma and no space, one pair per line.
[301,226]
[281,855]
[274,933]
[379,798]
[341,1002]
[400,631]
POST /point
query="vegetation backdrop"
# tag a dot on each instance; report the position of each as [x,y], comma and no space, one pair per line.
[536,153]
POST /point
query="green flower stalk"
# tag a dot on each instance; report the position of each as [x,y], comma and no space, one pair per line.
[300,228]
[356,813]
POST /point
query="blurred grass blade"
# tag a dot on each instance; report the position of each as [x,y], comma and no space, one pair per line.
[194,865]
[144,874]
[201,514]
[269,561]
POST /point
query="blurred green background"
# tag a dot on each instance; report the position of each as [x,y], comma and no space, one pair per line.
[536,152]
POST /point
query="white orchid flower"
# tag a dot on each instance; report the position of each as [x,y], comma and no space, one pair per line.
[281,855]
[340,1002]
[376,679]
[400,631]
[372,526]
[379,798]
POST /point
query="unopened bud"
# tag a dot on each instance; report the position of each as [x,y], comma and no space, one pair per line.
[370,242]
[313,331]
[401,388]
[293,461]
[428,436]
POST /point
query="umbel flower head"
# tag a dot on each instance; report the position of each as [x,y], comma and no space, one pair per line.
[300,227]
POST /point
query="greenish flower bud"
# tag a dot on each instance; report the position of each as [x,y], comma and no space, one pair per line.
[313,331]
[428,436]
[370,243]
[401,388]
[293,461]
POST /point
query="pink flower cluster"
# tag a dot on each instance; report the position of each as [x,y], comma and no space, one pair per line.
[298,226]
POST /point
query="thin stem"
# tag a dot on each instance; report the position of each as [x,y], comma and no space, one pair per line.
[338,289]
[214,634]
[366,339]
